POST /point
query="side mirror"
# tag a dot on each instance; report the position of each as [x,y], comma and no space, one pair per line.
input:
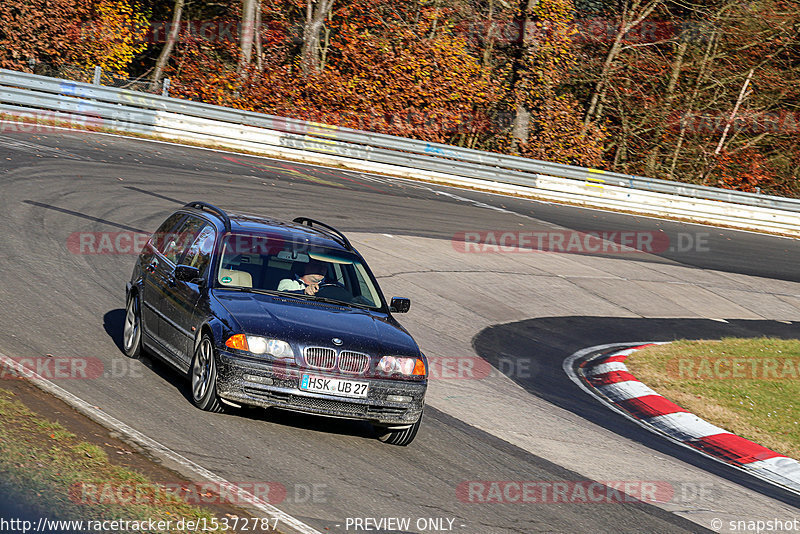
[400,305]
[185,273]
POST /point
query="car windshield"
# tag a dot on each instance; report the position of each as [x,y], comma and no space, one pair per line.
[302,269]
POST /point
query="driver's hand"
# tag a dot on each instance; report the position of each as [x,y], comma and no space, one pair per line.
[311,289]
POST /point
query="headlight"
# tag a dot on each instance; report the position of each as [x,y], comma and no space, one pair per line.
[405,366]
[261,345]
[280,349]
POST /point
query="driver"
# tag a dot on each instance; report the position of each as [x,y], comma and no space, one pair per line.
[313,275]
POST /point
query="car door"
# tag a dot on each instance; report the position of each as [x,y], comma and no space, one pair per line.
[152,267]
[180,297]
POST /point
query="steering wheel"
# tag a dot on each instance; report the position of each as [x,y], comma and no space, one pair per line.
[335,290]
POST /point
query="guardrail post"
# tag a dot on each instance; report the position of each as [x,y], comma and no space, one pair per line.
[165,87]
[97,72]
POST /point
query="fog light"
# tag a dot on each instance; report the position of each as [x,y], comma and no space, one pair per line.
[259,379]
[399,398]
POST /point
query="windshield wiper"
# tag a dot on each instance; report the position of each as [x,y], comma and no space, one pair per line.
[328,300]
[317,298]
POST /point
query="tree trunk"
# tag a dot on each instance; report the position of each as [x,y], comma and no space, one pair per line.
[246,35]
[742,95]
[316,12]
[259,46]
[677,65]
[630,19]
[172,38]
[695,92]
[489,32]
[520,127]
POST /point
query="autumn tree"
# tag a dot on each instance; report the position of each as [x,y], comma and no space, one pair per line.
[40,30]
[113,37]
[675,86]
[171,38]
[315,14]
[547,118]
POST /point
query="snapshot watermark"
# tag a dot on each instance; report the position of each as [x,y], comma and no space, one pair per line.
[757,526]
[579,242]
[197,493]
[730,368]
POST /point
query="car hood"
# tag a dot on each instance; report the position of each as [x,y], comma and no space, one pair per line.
[312,323]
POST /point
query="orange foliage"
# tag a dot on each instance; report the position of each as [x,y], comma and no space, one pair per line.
[558,135]
[42,30]
[556,130]
[396,82]
[743,170]
[113,38]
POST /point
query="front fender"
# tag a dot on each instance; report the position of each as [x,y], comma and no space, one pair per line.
[219,332]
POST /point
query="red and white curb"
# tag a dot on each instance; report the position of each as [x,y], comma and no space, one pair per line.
[603,375]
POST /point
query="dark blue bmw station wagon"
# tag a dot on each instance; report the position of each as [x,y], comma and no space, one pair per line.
[268,313]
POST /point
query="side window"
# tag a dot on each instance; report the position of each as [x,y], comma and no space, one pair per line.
[165,232]
[180,240]
[199,252]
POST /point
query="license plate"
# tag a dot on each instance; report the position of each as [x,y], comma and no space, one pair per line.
[334,386]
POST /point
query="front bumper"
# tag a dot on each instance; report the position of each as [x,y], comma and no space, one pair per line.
[265,384]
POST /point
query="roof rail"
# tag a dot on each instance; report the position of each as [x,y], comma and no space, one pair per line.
[330,230]
[210,207]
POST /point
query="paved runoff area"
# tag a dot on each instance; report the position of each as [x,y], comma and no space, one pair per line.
[456,294]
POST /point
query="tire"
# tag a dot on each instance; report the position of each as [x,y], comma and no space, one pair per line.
[399,437]
[203,376]
[132,328]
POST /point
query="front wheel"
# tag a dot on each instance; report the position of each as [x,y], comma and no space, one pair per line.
[204,377]
[132,330]
[399,437]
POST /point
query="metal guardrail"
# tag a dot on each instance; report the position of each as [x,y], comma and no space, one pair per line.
[134,111]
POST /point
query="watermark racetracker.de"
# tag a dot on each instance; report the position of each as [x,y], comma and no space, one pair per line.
[579,242]
[52,367]
[729,368]
[523,492]
[43,122]
[197,493]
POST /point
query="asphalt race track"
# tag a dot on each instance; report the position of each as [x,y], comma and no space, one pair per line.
[523,313]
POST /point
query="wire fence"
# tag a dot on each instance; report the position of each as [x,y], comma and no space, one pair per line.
[97,76]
